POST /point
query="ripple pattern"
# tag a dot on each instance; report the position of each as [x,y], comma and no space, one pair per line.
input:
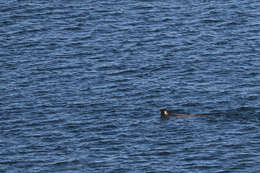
[82,82]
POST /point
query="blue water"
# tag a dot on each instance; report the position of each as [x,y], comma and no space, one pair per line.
[82,83]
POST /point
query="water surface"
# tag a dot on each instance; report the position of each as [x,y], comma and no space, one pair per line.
[82,83]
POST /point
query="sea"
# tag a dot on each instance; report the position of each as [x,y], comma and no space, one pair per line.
[82,84]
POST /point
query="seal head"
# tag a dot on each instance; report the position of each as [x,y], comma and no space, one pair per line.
[164,112]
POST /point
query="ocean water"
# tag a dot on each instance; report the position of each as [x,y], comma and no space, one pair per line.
[82,83]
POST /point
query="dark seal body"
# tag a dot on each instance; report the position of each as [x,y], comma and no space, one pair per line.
[166,114]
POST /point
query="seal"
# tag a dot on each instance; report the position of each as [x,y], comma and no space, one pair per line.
[166,114]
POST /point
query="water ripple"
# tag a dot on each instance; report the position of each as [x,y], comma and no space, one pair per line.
[82,84]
